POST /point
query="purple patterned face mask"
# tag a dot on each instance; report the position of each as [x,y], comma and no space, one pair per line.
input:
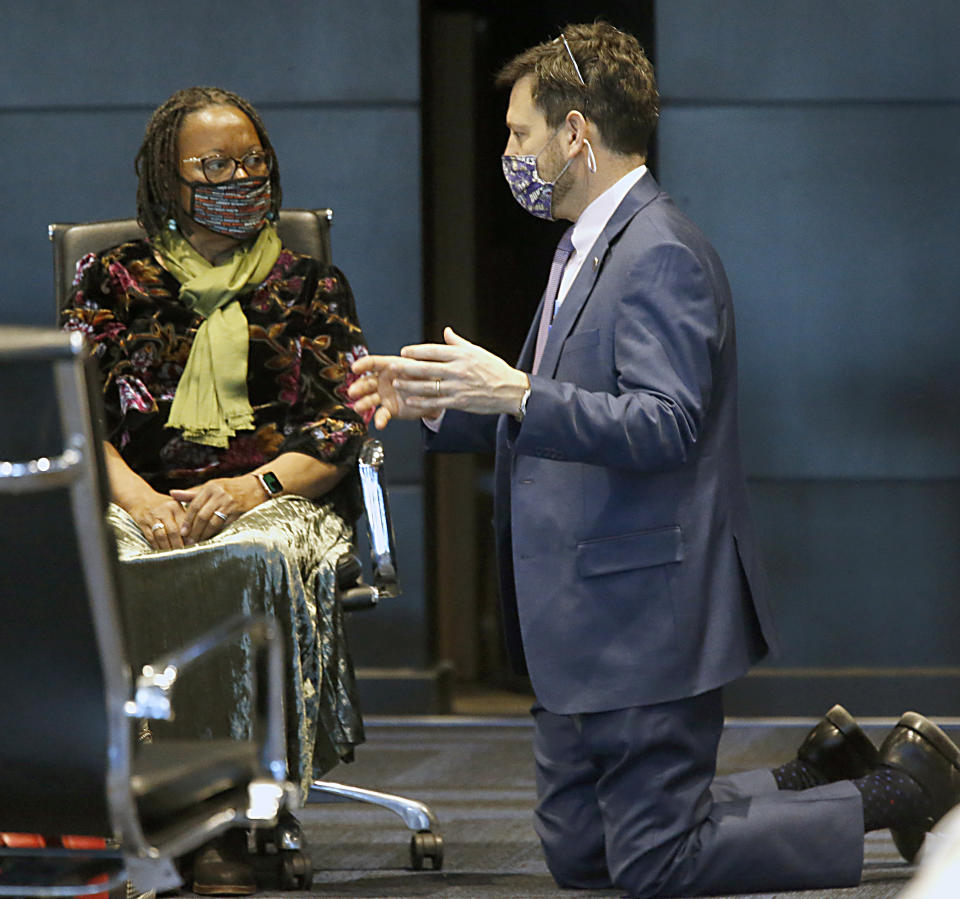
[235,208]
[528,188]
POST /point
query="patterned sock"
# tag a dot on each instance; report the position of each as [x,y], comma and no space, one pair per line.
[798,775]
[891,798]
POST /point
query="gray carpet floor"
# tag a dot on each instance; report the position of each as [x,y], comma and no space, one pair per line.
[477,777]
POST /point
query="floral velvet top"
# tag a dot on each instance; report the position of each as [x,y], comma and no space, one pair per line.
[303,337]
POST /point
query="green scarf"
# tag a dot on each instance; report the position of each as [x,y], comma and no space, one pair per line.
[211,402]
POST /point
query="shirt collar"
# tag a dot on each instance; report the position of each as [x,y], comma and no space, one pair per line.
[594,218]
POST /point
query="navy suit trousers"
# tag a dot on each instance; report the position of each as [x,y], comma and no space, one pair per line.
[629,798]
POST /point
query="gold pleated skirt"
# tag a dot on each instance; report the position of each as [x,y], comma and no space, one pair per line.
[278,559]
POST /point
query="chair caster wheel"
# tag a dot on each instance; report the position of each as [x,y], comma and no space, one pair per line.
[424,844]
[296,871]
[287,835]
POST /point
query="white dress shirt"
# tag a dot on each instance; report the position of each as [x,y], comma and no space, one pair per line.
[588,226]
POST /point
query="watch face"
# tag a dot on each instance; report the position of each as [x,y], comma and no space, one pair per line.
[272,482]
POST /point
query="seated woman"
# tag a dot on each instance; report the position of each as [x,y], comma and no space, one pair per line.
[231,441]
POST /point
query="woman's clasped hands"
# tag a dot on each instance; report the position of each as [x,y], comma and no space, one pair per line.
[187,517]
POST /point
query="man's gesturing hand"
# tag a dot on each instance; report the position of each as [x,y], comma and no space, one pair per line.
[374,391]
[457,375]
[427,378]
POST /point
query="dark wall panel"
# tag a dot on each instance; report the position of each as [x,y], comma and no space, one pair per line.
[80,169]
[838,228]
[864,572]
[759,50]
[118,52]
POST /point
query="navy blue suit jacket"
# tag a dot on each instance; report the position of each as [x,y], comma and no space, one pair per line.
[628,564]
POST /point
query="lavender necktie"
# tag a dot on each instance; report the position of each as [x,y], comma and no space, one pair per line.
[560,257]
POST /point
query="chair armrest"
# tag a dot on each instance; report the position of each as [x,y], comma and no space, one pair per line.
[47,473]
[154,686]
[379,524]
[352,593]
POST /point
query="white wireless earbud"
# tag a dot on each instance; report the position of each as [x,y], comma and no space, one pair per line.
[591,159]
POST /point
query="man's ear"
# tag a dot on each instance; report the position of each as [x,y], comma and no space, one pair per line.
[576,125]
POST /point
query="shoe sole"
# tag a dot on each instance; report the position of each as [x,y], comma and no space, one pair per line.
[219,890]
[933,735]
[844,722]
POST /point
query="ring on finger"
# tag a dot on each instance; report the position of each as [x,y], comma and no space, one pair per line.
[436,385]
[220,515]
[159,526]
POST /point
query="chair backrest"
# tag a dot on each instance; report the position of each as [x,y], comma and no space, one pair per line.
[65,742]
[305,230]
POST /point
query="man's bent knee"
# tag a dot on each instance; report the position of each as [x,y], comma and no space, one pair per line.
[577,873]
[576,864]
[658,871]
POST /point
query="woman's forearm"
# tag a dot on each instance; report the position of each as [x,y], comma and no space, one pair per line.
[127,488]
[300,474]
[159,517]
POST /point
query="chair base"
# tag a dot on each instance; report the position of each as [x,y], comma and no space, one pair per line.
[425,842]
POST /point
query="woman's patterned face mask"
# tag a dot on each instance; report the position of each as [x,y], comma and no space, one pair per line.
[528,188]
[236,208]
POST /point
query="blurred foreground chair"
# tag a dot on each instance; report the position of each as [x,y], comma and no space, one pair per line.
[69,763]
[306,231]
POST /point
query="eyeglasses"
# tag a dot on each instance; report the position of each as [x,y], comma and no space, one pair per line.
[223,168]
[572,58]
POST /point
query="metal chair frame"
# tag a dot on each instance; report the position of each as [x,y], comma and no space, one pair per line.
[144,854]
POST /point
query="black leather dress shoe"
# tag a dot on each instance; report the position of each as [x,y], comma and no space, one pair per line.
[918,747]
[219,870]
[838,748]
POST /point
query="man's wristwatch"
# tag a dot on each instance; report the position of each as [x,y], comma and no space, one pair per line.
[270,482]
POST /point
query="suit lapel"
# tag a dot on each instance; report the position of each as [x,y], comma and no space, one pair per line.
[642,193]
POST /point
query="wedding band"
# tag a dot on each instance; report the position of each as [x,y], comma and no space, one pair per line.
[159,526]
[437,385]
[220,515]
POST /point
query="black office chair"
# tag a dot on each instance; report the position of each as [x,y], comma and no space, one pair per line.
[68,759]
[306,231]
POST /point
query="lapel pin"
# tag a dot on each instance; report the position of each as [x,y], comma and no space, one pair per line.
[596,262]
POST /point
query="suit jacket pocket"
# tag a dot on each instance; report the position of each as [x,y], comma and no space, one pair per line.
[626,552]
[581,340]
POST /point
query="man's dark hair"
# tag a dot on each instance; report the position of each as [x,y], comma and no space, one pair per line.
[158,163]
[619,93]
